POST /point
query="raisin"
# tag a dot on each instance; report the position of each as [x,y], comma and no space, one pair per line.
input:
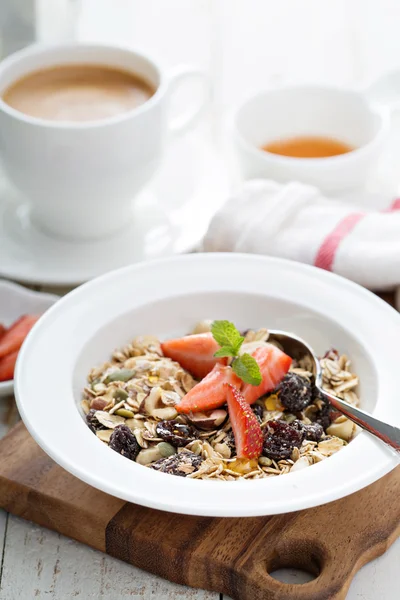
[258,411]
[229,440]
[175,433]
[312,432]
[178,464]
[323,415]
[295,392]
[92,422]
[280,439]
[124,442]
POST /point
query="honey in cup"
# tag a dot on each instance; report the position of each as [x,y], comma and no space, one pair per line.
[308,147]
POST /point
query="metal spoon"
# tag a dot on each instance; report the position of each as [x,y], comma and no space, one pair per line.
[298,348]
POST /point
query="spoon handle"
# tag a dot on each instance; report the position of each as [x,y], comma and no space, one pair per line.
[385,432]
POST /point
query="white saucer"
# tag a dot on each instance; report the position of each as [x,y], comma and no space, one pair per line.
[170,216]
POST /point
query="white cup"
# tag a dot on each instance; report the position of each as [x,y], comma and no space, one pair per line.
[310,110]
[80,177]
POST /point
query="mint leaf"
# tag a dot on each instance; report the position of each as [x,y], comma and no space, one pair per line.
[237,347]
[230,340]
[226,334]
[224,351]
[247,369]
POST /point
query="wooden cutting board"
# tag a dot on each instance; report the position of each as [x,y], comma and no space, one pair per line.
[232,556]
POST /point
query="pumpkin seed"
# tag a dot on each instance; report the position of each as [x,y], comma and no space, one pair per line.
[120,375]
[120,394]
[122,412]
[264,461]
[166,449]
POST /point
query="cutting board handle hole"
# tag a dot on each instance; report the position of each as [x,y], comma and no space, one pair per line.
[292,576]
[300,560]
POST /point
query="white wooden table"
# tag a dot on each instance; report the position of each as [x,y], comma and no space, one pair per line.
[244,45]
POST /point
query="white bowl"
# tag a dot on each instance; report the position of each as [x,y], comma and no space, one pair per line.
[15,301]
[166,298]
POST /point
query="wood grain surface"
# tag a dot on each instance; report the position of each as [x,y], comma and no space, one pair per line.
[232,556]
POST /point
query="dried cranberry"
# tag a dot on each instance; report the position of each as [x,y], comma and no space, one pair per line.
[124,442]
[258,411]
[92,422]
[295,392]
[280,439]
[175,433]
[178,464]
[312,432]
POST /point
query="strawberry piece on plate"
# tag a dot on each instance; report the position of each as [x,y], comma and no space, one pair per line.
[245,426]
[2,330]
[209,393]
[7,365]
[195,353]
[274,364]
[13,338]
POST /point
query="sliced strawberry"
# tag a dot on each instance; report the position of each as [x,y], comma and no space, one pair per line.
[209,393]
[274,364]
[194,352]
[2,330]
[7,365]
[245,426]
[15,335]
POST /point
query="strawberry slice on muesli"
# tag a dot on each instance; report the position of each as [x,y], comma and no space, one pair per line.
[273,365]
[210,392]
[195,353]
[246,428]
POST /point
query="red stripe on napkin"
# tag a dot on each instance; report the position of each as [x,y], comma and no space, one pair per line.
[327,251]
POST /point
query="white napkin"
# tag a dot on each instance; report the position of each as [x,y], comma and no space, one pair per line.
[296,221]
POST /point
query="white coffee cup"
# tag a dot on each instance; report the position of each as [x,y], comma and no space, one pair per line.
[310,110]
[80,177]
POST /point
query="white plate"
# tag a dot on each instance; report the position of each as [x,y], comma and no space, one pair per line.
[169,217]
[15,301]
[167,297]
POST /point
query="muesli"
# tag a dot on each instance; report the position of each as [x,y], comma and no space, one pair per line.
[217,404]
